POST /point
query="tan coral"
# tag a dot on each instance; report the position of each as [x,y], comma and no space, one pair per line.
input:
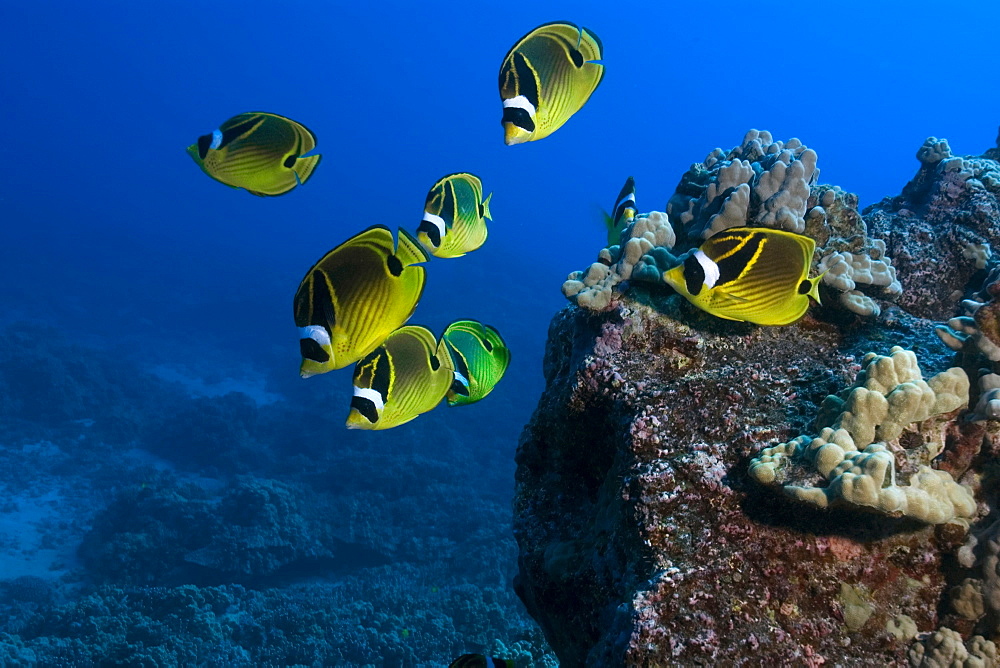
[888,395]
[593,288]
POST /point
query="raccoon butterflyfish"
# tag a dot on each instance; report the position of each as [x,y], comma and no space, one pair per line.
[455,216]
[480,661]
[355,296]
[407,375]
[260,152]
[480,358]
[546,77]
[624,212]
[752,274]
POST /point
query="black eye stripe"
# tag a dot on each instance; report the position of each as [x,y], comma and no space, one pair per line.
[432,232]
[694,275]
[204,143]
[366,407]
[518,117]
[311,350]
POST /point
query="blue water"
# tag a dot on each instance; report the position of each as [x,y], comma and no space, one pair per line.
[110,233]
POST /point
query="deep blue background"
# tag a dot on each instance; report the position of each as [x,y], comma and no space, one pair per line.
[108,229]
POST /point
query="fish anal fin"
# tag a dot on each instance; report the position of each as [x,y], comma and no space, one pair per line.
[304,167]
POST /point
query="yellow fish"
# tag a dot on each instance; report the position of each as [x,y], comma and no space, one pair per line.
[454,221]
[260,152]
[624,212]
[480,357]
[355,296]
[753,274]
[546,77]
[407,375]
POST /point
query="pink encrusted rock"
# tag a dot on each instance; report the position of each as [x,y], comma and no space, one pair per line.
[949,204]
[642,539]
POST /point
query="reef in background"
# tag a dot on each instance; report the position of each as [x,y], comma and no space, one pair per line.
[143,526]
[692,490]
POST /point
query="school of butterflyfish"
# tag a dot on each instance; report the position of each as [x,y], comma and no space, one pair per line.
[353,305]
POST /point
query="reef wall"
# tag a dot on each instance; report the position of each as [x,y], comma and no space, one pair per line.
[694,491]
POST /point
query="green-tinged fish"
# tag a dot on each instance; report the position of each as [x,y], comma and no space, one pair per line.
[547,77]
[407,375]
[752,274]
[480,358]
[455,216]
[260,152]
[355,296]
[624,212]
[480,661]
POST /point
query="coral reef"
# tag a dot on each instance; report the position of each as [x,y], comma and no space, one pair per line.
[208,433]
[385,620]
[761,182]
[138,544]
[666,512]
[888,396]
[950,208]
[165,534]
[38,364]
[593,288]
[644,540]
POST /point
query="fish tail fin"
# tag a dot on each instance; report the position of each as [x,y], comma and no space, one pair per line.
[486,207]
[814,292]
[408,249]
[614,234]
[304,167]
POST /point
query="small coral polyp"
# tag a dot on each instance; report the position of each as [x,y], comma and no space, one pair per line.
[859,471]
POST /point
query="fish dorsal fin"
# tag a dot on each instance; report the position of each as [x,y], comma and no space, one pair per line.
[408,249]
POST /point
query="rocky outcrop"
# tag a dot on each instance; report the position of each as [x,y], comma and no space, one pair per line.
[643,538]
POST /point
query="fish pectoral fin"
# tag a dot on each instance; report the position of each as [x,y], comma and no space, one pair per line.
[304,166]
[724,299]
